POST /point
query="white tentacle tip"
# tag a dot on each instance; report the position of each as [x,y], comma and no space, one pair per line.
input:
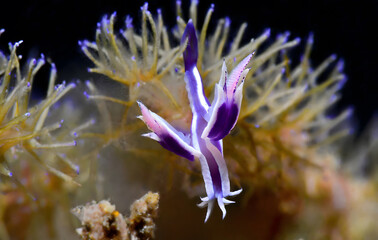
[226,201]
[234,193]
[209,203]
[151,135]
[221,206]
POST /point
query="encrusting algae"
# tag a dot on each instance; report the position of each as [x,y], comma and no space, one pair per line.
[102,221]
[285,150]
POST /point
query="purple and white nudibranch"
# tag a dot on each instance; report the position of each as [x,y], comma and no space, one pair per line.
[210,123]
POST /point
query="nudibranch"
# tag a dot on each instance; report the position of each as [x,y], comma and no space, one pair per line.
[210,123]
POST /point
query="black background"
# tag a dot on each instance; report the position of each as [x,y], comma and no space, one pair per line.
[345,28]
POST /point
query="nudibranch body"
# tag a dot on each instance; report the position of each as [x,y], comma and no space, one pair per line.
[210,123]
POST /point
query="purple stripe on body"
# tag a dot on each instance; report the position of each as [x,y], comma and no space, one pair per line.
[169,143]
[193,79]
[213,166]
[226,119]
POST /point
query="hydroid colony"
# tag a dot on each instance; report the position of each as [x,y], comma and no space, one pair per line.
[33,165]
[284,149]
[40,153]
